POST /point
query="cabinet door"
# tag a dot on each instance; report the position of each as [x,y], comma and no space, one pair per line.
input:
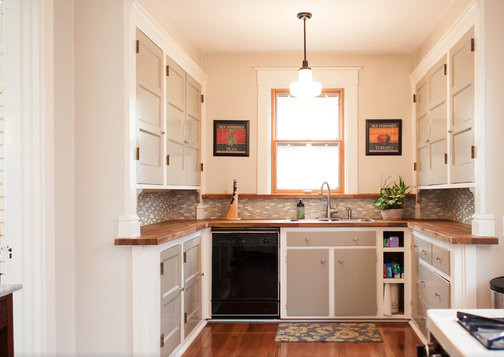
[192,133]
[171,299]
[175,119]
[192,285]
[149,117]
[462,116]
[308,282]
[423,148]
[437,88]
[355,282]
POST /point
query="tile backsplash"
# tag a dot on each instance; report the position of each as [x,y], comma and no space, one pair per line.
[153,207]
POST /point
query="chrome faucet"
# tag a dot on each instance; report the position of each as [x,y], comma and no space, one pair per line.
[329,211]
[349,212]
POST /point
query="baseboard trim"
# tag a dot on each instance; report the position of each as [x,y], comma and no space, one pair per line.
[180,350]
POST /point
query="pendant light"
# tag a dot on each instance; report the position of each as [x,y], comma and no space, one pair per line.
[305,87]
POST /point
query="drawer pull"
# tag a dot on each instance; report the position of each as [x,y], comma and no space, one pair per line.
[438,259]
[422,282]
[437,294]
[355,239]
[323,261]
[307,239]
[340,260]
[424,252]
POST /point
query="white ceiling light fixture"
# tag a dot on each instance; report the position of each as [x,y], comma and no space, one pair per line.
[305,87]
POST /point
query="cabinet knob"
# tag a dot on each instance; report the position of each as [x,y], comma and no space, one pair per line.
[307,239]
[340,260]
[424,252]
[415,246]
[355,239]
[422,319]
[322,261]
[181,289]
[437,294]
[422,282]
[438,259]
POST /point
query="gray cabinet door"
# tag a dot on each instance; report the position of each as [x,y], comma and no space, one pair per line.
[192,285]
[170,299]
[149,109]
[308,282]
[355,282]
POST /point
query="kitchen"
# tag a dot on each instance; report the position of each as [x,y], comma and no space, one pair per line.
[91,195]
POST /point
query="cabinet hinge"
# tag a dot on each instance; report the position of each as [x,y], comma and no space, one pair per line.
[414,166]
[201,167]
[445,69]
[185,257]
[161,268]
[472,44]
[473,152]
[161,340]
[137,46]
[445,158]
[167,160]
[414,98]
[202,98]
[185,317]
[138,153]
[167,71]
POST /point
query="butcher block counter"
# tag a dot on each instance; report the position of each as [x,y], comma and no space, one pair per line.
[448,231]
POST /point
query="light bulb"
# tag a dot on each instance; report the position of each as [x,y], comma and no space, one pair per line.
[305,87]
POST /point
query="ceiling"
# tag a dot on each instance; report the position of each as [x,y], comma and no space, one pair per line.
[378,26]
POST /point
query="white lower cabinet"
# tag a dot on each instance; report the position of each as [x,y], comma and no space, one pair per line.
[328,273]
[444,277]
[167,295]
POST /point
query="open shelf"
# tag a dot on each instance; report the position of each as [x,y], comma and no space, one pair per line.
[390,236]
[394,281]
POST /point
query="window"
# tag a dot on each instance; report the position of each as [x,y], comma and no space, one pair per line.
[307,141]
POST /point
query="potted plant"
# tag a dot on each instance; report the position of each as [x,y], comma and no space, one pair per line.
[391,200]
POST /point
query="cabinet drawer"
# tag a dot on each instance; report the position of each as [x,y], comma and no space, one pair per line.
[424,249]
[344,238]
[441,259]
[432,288]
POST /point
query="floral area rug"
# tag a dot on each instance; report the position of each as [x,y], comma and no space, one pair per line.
[327,332]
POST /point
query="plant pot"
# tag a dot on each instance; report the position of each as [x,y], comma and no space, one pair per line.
[394,214]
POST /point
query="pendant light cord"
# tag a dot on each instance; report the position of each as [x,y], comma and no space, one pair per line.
[305,61]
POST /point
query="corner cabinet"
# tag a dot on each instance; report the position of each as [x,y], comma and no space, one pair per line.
[168,117]
[444,110]
[168,295]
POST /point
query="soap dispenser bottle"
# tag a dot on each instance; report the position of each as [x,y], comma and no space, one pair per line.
[300,211]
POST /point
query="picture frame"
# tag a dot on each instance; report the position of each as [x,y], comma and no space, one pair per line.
[231,137]
[383,137]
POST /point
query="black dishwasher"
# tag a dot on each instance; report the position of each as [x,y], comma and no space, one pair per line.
[245,273]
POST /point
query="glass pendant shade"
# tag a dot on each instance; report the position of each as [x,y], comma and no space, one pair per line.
[305,87]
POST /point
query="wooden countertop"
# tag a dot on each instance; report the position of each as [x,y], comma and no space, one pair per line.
[448,231]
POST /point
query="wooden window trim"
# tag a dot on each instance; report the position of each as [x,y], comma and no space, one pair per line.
[274,141]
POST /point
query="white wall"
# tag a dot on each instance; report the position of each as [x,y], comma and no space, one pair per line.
[384,93]
[64,176]
[103,271]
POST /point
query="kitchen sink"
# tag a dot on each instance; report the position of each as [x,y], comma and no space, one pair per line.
[335,220]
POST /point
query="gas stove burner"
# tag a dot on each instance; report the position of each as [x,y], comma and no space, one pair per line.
[488,331]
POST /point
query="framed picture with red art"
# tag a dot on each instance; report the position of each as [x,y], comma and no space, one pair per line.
[383,137]
[231,138]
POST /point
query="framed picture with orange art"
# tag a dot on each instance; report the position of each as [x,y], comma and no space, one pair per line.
[383,137]
[231,138]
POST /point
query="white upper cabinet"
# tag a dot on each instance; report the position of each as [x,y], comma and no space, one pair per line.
[149,111]
[168,112]
[462,116]
[183,107]
[445,117]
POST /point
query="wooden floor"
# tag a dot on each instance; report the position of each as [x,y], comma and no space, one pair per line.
[258,340]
